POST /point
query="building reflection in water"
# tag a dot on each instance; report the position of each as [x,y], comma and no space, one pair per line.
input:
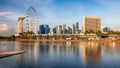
[18,47]
[36,51]
[91,53]
[112,47]
[88,52]
[3,46]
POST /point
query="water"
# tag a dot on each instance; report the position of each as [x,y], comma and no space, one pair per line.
[61,55]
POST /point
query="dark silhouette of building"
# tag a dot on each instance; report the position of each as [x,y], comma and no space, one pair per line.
[44,29]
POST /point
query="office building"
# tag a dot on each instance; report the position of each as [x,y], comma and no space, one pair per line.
[77,26]
[64,29]
[41,29]
[91,24]
[54,30]
[59,29]
[69,30]
[73,29]
[47,29]
[105,29]
[44,29]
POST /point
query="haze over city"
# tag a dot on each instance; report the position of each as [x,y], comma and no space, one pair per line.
[55,12]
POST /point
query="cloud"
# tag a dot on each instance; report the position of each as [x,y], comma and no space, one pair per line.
[7,29]
[11,15]
[4,27]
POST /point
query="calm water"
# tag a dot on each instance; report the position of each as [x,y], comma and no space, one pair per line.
[61,55]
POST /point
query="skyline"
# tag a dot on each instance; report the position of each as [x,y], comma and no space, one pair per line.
[53,12]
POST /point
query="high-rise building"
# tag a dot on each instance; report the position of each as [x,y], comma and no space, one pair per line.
[73,29]
[59,29]
[64,29]
[41,29]
[20,25]
[47,29]
[44,29]
[91,24]
[77,26]
[54,30]
[69,30]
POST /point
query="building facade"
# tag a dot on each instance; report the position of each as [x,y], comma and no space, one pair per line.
[47,29]
[41,29]
[91,24]
[20,25]
[105,29]
[44,29]
[59,29]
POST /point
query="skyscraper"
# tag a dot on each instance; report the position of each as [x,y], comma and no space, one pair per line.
[44,29]
[41,29]
[47,29]
[64,29]
[73,29]
[59,29]
[91,24]
[20,25]
[77,26]
[54,30]
[69,30]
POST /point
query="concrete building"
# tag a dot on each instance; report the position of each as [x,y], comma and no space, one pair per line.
[59,29]
[64,29]
[20,25]
[91,24]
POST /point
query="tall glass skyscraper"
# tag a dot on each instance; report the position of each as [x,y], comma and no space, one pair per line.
[44,29]
[47,29]
[41,29]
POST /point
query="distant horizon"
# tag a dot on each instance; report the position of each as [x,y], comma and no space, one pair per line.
[55,12]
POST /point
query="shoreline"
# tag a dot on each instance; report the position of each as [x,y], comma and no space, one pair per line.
[62,40]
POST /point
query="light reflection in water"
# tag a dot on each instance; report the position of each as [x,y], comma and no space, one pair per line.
[63,54]
[91,53]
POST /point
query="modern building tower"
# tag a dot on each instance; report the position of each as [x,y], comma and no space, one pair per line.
[59,29]
[91,24]
[20,25]
[44,29]
[73,29]
[77,26]
[47,29]
[41,29]
[64,29]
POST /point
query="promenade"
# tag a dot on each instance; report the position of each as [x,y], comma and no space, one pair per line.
[10,53]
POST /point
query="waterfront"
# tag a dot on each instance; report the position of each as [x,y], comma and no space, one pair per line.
[61,54]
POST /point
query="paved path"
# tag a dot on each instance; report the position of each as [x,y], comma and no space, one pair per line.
[6,54]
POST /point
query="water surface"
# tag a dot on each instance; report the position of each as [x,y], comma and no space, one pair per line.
[61,55]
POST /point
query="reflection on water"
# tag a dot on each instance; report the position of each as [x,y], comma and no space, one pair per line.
[61,54]
[91,53]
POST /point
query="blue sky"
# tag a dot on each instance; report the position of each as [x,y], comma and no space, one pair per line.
[54,12]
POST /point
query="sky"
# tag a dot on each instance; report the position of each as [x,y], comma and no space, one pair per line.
[59,12]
